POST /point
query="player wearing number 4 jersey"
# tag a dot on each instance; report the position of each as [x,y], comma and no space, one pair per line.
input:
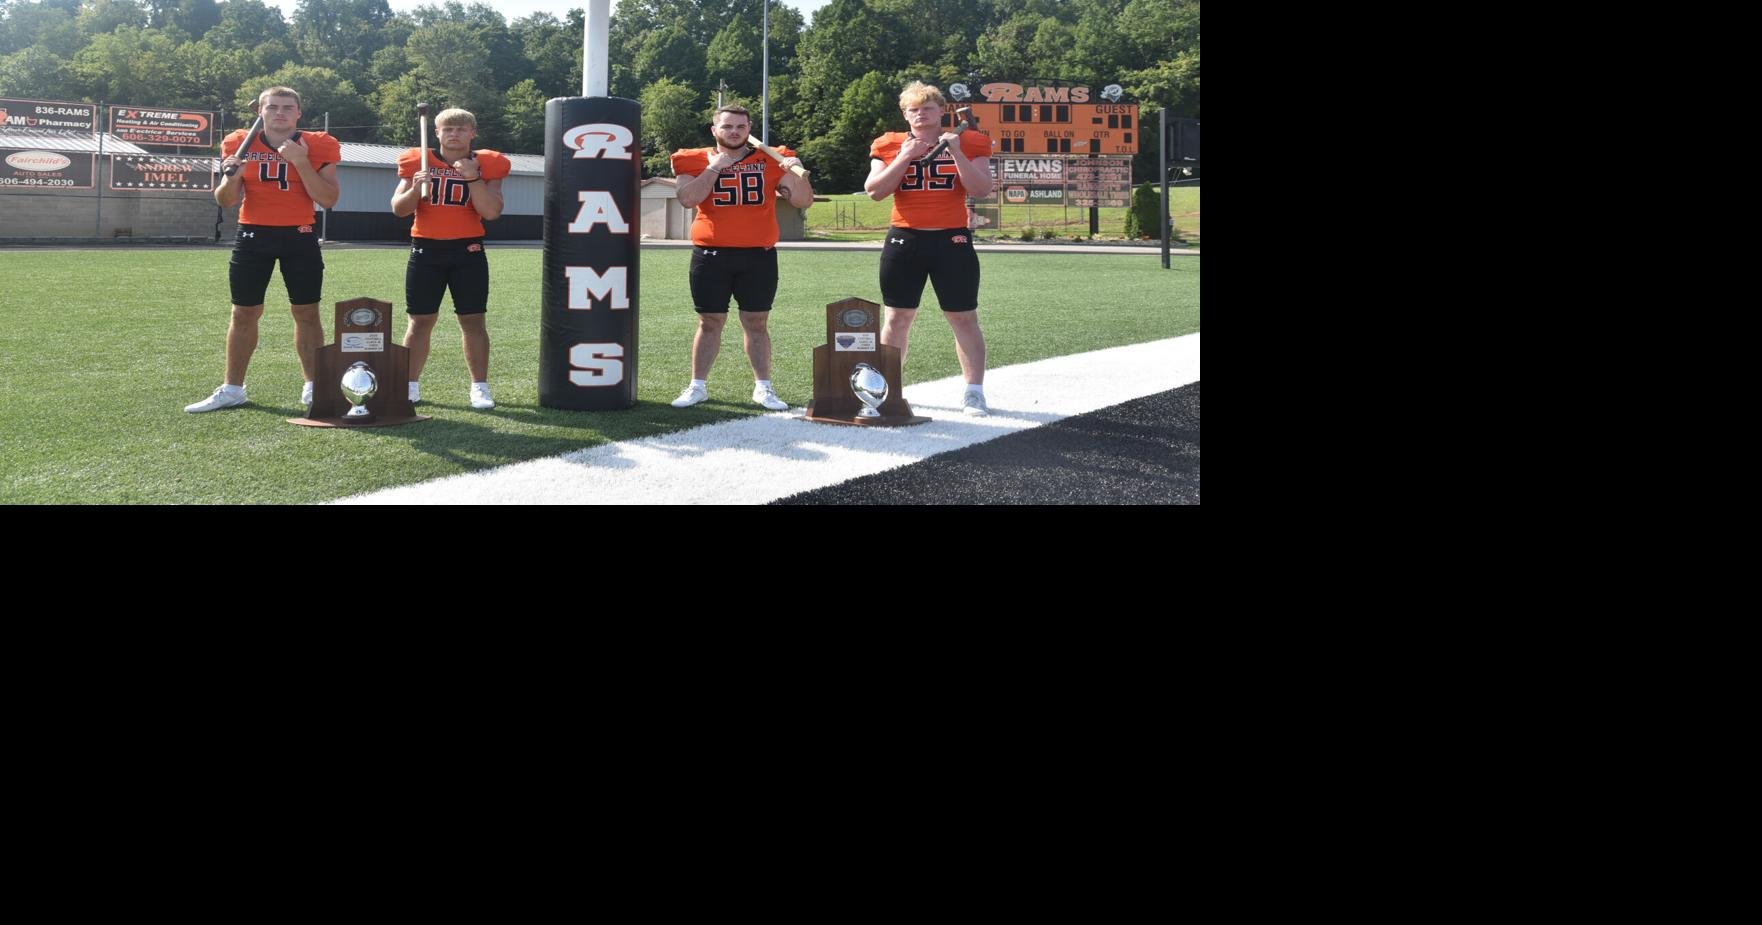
[929,238]
[446,243]
[279,177]
[734,188]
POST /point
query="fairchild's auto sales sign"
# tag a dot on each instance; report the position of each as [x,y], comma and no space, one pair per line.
[46,170]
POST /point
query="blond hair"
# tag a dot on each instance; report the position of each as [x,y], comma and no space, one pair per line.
[917,93]
[455,117]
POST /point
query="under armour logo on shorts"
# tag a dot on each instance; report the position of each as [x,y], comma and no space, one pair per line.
[475,248]
[305,229]
[415,250]
[958,239]
[897,240]
[247,234]
[711,253]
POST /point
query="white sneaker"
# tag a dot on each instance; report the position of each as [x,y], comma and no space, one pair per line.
[415,392]
[691,395]
[227,396]
[306,394]
[480,398]
[768,398]
[974,405]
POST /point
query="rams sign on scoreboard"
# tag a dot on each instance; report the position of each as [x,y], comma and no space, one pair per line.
[1034,119]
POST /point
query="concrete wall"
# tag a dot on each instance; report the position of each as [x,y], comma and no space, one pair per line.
[139,213]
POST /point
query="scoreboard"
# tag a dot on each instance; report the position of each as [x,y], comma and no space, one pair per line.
[1054,128]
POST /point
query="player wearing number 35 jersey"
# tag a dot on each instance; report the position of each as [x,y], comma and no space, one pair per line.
[929,238]
[446,243]
[280,177]
[734,187]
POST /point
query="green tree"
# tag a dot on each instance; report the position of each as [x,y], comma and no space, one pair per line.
[130,65]
[672,118]
[102,17]
[340,34]
[523,118]
[733,56]
[847,40]
[1144,216]
[248,24]
[452,60]
[866,109]
[551,48]
[322,91]
[208,76]
[33,73]
[191,17]
[41,25]
[670,53]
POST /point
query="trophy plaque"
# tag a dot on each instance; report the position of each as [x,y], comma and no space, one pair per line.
[856,377]
[363,379]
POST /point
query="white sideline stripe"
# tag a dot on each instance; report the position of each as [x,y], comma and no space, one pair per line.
[760,459]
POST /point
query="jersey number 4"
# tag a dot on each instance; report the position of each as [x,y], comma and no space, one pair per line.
[279,177]
[747,189]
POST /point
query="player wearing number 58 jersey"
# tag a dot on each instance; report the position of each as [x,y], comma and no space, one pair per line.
[929,238]
[734,187]
[279,178]
[446,243]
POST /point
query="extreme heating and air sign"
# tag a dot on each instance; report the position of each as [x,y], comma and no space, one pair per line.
[183,128]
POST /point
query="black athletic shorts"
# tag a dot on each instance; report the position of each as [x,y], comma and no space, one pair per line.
[437,265]
[255,252]
[749,274]
[945,257]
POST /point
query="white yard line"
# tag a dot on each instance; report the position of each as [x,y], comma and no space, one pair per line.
[761,459]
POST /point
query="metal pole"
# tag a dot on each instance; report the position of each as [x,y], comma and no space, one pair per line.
[765,79]
[1095,212]
[1162,149]
[324,220]
[595,68]
[97,171]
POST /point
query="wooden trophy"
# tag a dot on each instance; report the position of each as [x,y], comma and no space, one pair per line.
[853,363]
[364,340]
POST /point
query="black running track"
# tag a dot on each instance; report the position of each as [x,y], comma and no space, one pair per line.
[1145,451]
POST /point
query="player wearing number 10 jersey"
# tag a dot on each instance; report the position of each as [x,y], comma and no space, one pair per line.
[446,243]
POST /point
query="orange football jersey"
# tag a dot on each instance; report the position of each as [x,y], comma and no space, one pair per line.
[447,213]
[742,209]
[937,200]
[274,192]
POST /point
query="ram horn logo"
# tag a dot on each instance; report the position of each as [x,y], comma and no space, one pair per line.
[603,140]
[1112,93]
[38,160]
